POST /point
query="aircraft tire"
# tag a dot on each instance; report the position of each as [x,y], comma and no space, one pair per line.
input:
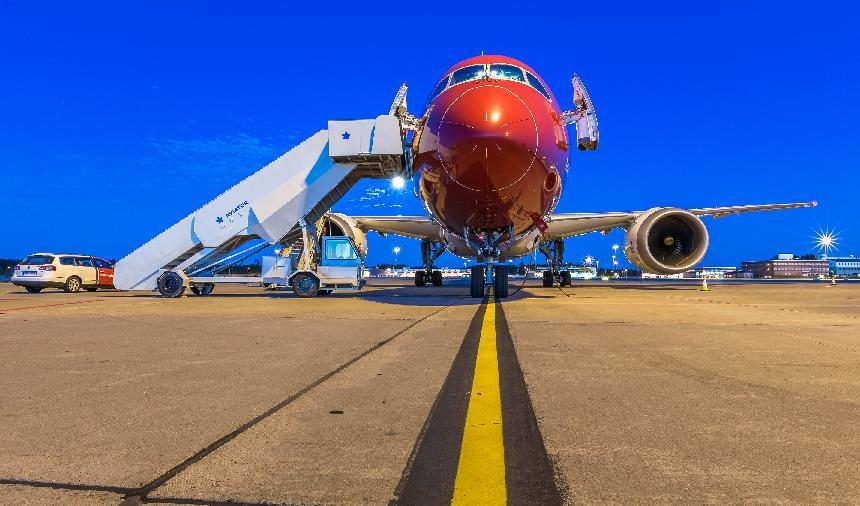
[477,281]
[500,281]
[547,279]
[437,278]
[419,278]
[565,278]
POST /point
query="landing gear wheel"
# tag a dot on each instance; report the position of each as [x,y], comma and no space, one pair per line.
[203,288]
[305,285]
[500,281]
[477,281]
[33,289]
[437,278]
[419,278]
[171,285]
[547,279]
[73,284]
[565,278]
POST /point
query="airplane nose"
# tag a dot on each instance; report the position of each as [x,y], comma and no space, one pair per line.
[488,138]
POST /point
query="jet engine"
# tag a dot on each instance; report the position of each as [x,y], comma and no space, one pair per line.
[666,240]
[342,225]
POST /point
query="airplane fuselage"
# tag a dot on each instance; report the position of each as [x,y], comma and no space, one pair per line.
[492,156]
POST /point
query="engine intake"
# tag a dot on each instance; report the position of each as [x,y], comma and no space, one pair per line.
[666,241]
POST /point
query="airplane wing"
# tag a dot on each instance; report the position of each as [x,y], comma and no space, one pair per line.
[416,227]
[564,225]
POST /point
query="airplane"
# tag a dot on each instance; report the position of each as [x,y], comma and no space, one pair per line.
[490,157]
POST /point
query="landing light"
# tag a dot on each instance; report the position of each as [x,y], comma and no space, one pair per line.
[398,182]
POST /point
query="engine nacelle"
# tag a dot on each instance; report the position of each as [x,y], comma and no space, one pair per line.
[666,240]
[341,224]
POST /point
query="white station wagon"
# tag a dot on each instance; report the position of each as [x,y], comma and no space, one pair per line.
[69,272]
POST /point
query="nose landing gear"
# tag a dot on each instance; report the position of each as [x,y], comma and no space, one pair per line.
[477,281]
[498,278]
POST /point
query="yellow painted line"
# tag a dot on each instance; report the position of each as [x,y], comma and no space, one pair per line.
[481,469]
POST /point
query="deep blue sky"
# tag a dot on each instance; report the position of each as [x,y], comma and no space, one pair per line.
[117,119]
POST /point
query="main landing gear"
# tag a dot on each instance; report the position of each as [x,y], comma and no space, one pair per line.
[430,251]
[424,278]
[554,252]
[498,278]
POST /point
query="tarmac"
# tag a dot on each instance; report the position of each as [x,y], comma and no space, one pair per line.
[604,392]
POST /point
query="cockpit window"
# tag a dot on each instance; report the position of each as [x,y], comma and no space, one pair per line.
[503,71]
[493,71]
[535,82]
[439,88]
[467,74]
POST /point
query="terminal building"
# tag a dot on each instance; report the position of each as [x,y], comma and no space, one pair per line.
[785,265]
[711,272]
[844,267]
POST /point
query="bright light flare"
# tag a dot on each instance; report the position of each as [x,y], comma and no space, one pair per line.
[826,240]
[396,250]
[589,260]
[398,182]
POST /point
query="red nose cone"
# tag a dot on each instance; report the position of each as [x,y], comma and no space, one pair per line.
[488,138]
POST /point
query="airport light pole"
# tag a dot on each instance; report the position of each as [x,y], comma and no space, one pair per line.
[615,256]
[588,261]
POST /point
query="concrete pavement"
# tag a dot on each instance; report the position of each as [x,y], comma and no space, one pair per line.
[639,391]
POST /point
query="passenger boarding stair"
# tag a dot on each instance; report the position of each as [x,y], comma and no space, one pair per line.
[270,206]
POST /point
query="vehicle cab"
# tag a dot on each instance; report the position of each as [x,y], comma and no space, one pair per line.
[340,263]
[70,272]
[336,265]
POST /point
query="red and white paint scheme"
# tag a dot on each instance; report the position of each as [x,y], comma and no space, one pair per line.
[492,153]
[491,156]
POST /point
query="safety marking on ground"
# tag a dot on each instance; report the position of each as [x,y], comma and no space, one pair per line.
[481,468]
[481,443]
[50,305]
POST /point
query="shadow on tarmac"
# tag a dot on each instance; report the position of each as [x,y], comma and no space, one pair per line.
[456,291]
